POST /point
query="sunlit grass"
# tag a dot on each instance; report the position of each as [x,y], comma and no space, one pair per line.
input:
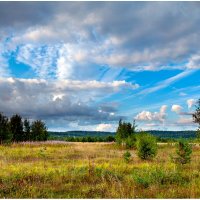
[93,170]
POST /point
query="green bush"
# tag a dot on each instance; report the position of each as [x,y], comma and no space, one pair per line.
[130,142]
[198,134]
[146,146]
[158,176]
[184,151]
[127,156]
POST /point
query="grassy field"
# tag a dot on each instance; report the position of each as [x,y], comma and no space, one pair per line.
[94,170]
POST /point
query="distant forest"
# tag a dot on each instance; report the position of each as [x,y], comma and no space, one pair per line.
[161,134]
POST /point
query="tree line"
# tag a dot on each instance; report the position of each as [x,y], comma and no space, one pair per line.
[17,129]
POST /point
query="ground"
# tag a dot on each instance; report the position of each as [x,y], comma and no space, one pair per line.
[94,170]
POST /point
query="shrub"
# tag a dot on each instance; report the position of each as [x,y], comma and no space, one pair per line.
[127,156]
[130,142]
[146,146]
[158,176]
[184,151]
[198,134]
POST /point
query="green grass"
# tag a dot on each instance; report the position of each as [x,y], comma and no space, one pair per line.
[94,170]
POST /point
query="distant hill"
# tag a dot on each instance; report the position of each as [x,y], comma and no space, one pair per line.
[81,134]
[173,134]
[161,134]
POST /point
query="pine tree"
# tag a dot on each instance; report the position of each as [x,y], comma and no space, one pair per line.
[27,130]
[39,131]
[5,133]
[16,127]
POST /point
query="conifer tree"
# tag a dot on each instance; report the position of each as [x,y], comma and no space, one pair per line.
[39,131]
[5,133]
[16,127]
[27,130]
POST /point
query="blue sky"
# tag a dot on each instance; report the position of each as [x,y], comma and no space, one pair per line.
[85,65]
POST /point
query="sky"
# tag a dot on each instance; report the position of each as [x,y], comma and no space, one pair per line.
[85,65]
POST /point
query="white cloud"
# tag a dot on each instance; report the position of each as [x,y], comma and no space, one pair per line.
[42,59]
[103,38]
[190,103]
[152,116]
[104,127]
[66,99]
[64,62]
[185,121]
[194,62]
[176,108]
[182,94]
[4,68]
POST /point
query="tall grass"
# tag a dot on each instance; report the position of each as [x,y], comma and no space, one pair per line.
[93,170]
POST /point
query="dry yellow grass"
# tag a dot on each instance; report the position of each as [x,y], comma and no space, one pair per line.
[93,170]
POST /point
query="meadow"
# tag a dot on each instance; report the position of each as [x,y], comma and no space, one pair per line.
[94,170]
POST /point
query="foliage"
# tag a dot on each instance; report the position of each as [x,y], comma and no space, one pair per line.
[27,130]
[196,115]
[88,139]
[130,141]
[198,134]
[16,127]
[146,146]
[17,130]
[124,130]
[158,176]
[173,135]
[127,156]
[196,118]
[5,133]
[184,151]
[39,131]
[163,136]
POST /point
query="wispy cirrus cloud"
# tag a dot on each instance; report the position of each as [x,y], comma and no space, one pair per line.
[167,82]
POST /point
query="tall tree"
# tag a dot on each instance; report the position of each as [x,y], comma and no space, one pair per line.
[16,127]
[196,117]
[27,130]
[5,133]
[124,130]
[39,131]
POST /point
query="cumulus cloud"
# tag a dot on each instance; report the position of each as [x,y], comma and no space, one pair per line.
[176,108]
[190,103]
[104,127]
[194,62]
[67,99]
[152,116]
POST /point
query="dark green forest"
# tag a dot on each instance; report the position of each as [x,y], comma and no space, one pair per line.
[17,129]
